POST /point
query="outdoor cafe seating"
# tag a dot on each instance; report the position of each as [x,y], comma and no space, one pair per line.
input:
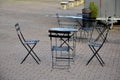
[96,45]
[62,50]
[87,27]
[29,45]
[63,42]
[66,22]
[77,21]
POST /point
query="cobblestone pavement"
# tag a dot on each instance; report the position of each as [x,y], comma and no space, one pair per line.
[35,20]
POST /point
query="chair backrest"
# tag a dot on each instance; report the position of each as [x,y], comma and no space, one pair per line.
[58,20]
[66,22]
[105,38]
[102,23]
[19,33]
[105,35]
[104,30]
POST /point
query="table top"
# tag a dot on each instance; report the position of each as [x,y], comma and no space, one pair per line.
[63,29]
[80,17]
[70,16]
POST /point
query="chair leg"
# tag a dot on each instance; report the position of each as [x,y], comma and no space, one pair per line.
[92,58]
[29,52]
[96,55]
[24,58]
[34,53]
[36,56]
[27,56]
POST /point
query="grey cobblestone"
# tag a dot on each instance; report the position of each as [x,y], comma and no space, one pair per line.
[35,25]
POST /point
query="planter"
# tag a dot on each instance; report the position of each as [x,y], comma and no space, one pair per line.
[86,17]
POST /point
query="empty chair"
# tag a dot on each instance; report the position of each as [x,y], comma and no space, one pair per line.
[61,47]
[28,44]
[95,47]
[64,21]
[87,26]
[86,30]
[86,23]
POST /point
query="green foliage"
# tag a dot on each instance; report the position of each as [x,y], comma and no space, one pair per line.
[94,9]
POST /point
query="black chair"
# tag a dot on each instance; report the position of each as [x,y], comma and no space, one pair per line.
[86,32]
[95,47]
[66,22]
[87,26]
[28,44]
[60,49]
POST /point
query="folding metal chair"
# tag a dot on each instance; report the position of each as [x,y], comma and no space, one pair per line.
[66,22]
[60,48]
[87,28]
[95,48]
[28,44]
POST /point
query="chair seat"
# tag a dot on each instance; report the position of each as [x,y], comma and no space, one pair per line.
[68,23]
[99,27]
[86,28]
[94,44]
[58,48]
[31,41]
